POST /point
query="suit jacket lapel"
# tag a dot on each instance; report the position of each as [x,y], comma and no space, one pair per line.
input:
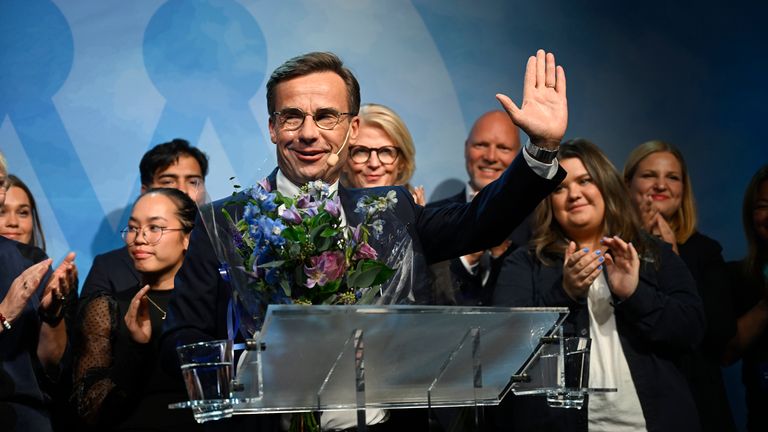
[349,203]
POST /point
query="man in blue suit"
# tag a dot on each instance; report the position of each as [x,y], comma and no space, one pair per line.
[319,86]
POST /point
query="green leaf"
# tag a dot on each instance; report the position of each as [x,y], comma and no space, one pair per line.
[286,287]
[329,232]
[369,273]
[316,231]
[271,264]
[325,244]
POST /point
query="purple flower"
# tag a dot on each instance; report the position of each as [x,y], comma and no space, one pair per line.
[333,206]
[326,267]
[306,203]
[357,233]
[264,183]
[365,251]
[291,216]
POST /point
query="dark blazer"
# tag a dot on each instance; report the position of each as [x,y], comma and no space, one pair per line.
[748,290]
[703,257]
[660,322]
[198,309]
[454,285]
[112,272]
[22,400]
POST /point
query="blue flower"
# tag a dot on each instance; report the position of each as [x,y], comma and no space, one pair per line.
[250,213]
[270,230]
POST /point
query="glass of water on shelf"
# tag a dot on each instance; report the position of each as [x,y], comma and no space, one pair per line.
[206,368]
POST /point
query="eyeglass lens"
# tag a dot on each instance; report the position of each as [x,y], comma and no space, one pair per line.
[293,118]
[386,154]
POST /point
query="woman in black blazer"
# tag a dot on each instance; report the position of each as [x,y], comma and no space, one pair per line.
[660,187]
[627,291]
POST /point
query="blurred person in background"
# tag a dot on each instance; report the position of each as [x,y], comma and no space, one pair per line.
[19,218]
[384,154]
[750,293]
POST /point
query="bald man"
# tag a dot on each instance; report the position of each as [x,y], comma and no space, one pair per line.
[492,145]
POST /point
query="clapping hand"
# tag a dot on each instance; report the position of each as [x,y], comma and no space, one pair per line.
[580,268]
[654,223]
[62,282]
[623,271]
[22,289]
[543,115]
[137,318]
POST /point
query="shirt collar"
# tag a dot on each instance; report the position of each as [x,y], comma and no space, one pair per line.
[289,189]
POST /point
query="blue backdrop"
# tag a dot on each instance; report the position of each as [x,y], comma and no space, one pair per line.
[87,87]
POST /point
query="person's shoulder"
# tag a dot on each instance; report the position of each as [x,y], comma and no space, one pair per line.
[120,253]
[24,251]
[459,198]
[700,248]
[699,240]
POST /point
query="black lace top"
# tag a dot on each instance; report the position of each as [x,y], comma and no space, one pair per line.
[119,383]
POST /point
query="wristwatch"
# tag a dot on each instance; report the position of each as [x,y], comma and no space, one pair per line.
[539,153]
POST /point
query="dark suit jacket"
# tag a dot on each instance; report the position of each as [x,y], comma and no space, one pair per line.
[111,272]
[198,309]
[662,321]
[454,285]
[21,397]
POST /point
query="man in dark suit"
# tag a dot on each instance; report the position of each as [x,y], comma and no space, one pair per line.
[492,145]
[319,86]
[173,164]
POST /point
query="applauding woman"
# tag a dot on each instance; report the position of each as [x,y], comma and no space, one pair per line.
[119,384]
[628,292]
[33,336]
[660,187]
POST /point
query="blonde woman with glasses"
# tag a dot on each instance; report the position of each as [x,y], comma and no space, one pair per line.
[384,154]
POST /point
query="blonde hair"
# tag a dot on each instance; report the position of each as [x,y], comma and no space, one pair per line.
[384,118]
[620,219]
[3,164]
[683,222]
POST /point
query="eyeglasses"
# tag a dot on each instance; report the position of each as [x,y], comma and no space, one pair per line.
[5,182]
[151,233]
[387,154]
[291,119]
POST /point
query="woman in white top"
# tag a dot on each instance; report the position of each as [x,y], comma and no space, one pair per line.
[625,290]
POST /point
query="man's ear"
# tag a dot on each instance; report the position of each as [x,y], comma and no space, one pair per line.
[144,189]
[272,132]
[355,126]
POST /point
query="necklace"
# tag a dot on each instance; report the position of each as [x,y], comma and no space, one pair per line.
[158,307]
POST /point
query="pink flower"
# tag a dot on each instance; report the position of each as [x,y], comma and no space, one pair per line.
[327,267]
[365,251]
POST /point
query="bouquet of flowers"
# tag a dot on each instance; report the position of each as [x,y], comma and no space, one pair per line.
[297,249]
[277,249]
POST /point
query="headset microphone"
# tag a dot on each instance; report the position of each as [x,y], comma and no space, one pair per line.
[333,158]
